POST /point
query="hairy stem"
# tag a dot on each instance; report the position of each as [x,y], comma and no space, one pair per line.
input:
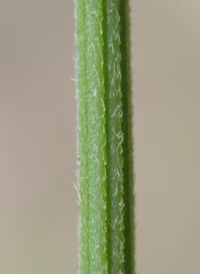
[106,229]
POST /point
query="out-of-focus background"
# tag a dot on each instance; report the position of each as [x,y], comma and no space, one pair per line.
[38,202]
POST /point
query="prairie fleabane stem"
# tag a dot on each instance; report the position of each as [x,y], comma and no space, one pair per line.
[106,229]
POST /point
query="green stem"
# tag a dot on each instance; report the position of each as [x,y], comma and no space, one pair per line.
[105,141]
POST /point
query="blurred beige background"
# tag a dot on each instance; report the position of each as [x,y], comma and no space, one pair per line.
[38,202]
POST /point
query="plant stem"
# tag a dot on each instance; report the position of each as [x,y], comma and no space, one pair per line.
[106,229]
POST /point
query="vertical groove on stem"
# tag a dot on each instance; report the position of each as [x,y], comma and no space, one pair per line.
[114,135]
[129,198]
